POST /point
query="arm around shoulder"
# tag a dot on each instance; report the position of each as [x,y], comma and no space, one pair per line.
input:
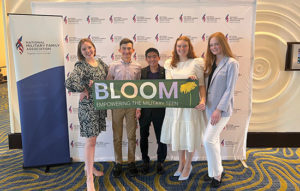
[168,69]
[233,67]
[199,70]
[110,73]
[232,75]
[105,66]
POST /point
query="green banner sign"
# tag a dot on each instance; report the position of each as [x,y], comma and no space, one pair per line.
[112,94]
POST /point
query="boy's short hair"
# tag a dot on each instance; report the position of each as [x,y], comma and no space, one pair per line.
[125,41]
[151,50]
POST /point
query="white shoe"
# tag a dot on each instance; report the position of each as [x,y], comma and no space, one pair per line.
[177,173]
[187,177]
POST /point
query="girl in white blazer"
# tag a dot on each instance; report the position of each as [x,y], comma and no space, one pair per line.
[222,71]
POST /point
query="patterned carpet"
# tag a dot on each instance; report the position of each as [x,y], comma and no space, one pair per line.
[269,169]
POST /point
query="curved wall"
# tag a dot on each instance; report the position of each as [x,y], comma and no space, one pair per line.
[276,93]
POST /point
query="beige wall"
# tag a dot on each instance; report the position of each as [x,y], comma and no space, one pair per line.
[276,93]
[2,47]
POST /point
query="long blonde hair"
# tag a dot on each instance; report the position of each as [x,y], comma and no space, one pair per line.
[210,57]
[175,56]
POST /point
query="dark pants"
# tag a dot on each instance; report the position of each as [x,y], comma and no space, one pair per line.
[156,116]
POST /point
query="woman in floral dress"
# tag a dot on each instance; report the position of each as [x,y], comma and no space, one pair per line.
[88,69]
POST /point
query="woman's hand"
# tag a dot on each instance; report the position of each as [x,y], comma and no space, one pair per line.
[193,77]
[215,117]
[84,94]
[138,113]
[200,106]
[137,116]
[91,83]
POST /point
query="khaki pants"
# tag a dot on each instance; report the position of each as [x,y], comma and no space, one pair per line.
[117,125]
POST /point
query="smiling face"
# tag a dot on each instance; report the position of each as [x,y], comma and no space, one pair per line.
[152,59]
[215,47]
[182,48]
[126,51]
[87,50]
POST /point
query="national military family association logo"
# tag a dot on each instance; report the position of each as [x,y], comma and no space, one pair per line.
[19,45]
[35,46]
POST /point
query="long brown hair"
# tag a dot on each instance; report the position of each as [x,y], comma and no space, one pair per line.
[79,54]
[210,57]
[175,56]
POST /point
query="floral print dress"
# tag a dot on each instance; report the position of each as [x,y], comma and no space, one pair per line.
[92,121]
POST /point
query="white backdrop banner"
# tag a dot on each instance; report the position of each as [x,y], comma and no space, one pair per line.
[158,25]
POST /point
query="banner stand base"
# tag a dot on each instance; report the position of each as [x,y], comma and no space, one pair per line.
[14,141]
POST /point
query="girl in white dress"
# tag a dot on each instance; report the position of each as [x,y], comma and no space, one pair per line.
[183,127]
